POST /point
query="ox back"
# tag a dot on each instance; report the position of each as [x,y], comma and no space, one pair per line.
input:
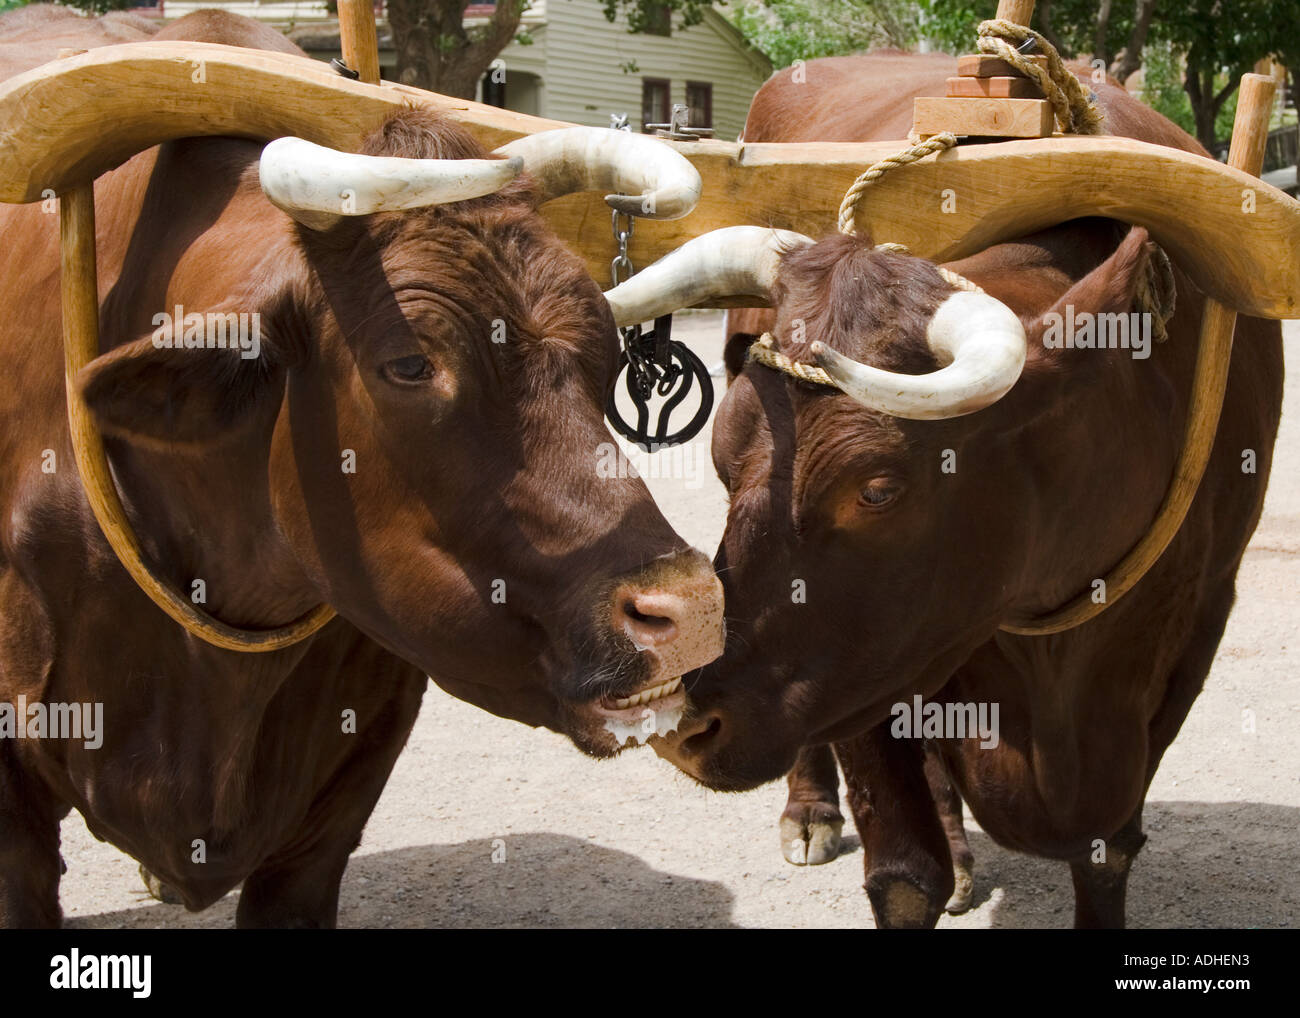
[1087,714]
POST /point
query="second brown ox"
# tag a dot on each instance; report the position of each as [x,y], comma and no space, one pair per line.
[871,555]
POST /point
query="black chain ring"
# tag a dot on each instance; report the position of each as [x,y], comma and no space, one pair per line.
[653,363]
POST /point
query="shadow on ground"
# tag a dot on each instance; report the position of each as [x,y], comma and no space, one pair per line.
[541,879]
[1205,865]
[1221,864]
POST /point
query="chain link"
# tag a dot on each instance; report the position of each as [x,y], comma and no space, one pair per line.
[621,262]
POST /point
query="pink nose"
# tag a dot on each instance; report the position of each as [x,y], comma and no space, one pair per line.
[649,619]
[675,617]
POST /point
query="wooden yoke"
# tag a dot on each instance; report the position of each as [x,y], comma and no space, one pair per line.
[65,123]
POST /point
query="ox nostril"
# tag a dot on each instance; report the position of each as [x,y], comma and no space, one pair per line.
[645,620]
[696,739]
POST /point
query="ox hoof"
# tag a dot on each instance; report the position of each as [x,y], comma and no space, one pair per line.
[158,890]
[962,893]
[899,904]
[810,842]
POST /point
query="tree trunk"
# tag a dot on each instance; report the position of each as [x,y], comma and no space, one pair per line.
[1130,57]
[437,52]
[1198,83]
[1100,50]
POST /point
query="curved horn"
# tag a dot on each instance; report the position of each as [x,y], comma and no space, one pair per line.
[731,262]
[317,186]
[978,338]
[659,182]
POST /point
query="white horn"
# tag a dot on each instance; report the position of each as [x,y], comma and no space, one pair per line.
[318,186]
[658,181]
[978,338]
[737,261]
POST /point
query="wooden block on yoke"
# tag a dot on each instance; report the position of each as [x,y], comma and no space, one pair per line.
[981,65]
[1003,87]
[983,117]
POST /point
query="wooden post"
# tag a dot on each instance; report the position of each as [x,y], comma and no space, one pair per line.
[1249,137]
[1019,11]
[357,37]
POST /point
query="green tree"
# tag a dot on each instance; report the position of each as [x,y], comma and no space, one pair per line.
[790,30]
[1220,42]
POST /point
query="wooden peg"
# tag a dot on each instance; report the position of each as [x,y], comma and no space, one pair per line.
[357,39]
[1019,11]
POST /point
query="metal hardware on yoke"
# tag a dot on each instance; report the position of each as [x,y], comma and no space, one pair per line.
[655,364]
[621,262]
[658,365]
[678,127]
[344,69]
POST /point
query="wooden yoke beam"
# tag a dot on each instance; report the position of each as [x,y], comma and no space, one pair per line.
[65,123]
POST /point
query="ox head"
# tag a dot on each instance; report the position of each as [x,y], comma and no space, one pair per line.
[422,421]
[878,526]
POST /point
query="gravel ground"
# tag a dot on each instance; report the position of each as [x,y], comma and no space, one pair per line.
[631,842]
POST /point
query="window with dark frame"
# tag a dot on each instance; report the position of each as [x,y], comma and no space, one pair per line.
[699,98]
[656,105]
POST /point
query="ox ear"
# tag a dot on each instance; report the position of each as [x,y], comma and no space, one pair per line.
[1110,288]
[169,396]
[1052,369]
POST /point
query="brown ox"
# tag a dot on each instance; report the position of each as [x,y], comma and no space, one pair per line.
[916,539]
[381,453]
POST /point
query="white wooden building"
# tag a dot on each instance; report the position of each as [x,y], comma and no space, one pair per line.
[579,67]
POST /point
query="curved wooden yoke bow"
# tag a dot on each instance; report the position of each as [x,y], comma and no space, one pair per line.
[65,123]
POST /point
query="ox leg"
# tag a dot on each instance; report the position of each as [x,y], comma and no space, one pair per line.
[1101,881]
[812,821]
[30,865]
[298,886]
[948,803]
[1100,888]
[909,873]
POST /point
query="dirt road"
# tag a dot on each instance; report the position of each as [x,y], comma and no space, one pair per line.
[631,842]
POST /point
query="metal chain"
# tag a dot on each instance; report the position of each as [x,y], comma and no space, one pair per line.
[621,262]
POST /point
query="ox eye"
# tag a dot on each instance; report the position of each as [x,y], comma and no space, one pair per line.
[408,370]
[880,492]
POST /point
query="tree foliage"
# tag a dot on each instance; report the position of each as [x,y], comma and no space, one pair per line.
[790,30]
[646,15]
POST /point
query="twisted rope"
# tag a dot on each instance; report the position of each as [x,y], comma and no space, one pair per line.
[849,204]
[1076,113]
[765,352]
[1157,293]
